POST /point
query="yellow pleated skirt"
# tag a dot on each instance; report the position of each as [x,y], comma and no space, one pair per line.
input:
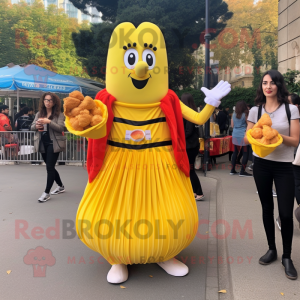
[139,209]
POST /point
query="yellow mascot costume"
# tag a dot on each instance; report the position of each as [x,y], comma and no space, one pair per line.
[138,206]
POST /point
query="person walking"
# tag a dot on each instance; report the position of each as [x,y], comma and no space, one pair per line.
[23,123]
[192,146]
[49,139]
[295,100]
[272,98]
[222,120]
[239,125]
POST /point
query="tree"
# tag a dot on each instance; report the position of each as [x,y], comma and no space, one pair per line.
[257,63]
[251,21]
[31,34]
[181,23]
[291,81]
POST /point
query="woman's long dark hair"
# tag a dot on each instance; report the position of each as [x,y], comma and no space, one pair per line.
[55,108]
[188,100]
[240,108]
[282,92]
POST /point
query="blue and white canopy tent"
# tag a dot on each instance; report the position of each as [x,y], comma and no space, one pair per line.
[32,81]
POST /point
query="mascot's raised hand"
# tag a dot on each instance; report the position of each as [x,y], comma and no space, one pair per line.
[214,95]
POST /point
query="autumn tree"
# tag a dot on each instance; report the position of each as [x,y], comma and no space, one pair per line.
[251,24]
[31,34]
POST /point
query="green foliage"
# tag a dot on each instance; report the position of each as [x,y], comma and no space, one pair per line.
[290,79]
[237,94]
[31,34]
[197,95]
[257,63]
[181,23]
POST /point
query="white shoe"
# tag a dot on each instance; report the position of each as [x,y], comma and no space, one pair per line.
[45,197]
[58,190]
[174,267]
[117,273]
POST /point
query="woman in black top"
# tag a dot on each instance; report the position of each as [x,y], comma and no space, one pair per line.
[192,146]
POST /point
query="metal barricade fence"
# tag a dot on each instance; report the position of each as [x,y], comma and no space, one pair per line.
[19,146]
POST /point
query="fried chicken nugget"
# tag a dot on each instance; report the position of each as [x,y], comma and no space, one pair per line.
[96,111]
[84,118]
[257,133]
[257,125]
[87,103]
[269,132]
[274,140]
[96,120]
[77,95]
[75,111]
[265,141]
[265,120]
[75,124]
[69,104]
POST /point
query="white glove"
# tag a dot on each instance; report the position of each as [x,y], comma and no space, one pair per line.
[214,96]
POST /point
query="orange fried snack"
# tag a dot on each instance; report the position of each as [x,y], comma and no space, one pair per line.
[265,141]
[257,133]
[274,140]
[96,119]
[269,132]
[69,104]
[87,103]
[265,120]
[82,111]
[84,118]
[75,124]
[77,94]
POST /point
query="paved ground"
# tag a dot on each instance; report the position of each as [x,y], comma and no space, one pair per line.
[238,204]
[80,273]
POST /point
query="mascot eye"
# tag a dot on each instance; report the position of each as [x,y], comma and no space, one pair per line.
[131,57]
[149,58]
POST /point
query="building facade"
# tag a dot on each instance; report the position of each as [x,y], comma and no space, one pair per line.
[70,10]
[288,35]
[241,75]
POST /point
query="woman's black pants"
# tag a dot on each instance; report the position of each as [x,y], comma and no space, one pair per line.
[192,153]
[297,182]
[50,158]
[237,150]
[264,172]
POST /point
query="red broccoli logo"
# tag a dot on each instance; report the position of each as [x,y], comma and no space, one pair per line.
[39,258]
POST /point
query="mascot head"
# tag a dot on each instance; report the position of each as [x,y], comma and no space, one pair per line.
[137,66]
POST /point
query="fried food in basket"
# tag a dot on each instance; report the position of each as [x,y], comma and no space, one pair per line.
[82,111]
[265,141]
[257,133]
[263,132]
[269,132]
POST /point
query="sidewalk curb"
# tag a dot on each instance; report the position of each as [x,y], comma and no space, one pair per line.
[224,271]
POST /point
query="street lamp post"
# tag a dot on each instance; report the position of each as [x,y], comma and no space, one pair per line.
[207,84]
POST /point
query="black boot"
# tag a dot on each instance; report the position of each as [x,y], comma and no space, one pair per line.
[269,257]
[290,271]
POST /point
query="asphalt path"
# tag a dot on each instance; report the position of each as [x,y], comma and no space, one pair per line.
[76,272]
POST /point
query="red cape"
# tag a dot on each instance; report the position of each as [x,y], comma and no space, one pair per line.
[170,105]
